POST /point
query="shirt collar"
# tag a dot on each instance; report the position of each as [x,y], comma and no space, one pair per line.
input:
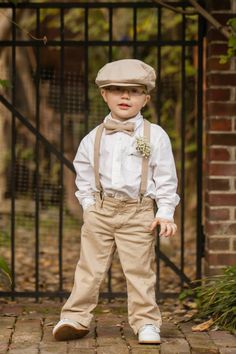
[138,119]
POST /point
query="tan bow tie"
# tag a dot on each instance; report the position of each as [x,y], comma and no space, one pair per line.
[113,127]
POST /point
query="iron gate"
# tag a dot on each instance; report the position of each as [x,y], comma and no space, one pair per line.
[62,72]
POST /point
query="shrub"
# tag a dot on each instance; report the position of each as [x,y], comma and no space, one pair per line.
[216,298]
[5,273]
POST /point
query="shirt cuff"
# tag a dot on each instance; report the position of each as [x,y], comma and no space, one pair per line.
[166,212]
[87,202]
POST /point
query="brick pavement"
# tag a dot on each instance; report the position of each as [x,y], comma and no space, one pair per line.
[27,329]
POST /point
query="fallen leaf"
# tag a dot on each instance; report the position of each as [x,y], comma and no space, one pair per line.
[49,324]
[215,328]
[203,326]
[191,304]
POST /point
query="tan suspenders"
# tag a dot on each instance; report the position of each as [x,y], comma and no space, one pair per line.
[144,174]
[97,144]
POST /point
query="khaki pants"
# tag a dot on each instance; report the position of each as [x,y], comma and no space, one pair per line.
[124,224]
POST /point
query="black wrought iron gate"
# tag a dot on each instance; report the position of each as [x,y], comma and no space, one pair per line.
[52,103]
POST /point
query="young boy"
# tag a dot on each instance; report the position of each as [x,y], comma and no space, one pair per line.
[124,166]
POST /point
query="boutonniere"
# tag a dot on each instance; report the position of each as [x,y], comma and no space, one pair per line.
[143,147]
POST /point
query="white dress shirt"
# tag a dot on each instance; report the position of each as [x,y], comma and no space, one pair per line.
[120,168]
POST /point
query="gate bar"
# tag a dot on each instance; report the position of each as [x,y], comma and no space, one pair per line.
[37,176]
[34,131]
[61,174]
[200,235]
[183,135]
[13,155]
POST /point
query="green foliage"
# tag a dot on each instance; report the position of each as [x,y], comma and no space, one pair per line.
[5,273]
[215,298]
[5,83]
[146,25]
[98,24]
[14,2]
[74,22]
[231,51]
[185,294]
[4,238]
[26,154]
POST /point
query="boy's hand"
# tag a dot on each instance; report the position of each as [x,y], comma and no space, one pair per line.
[167,228]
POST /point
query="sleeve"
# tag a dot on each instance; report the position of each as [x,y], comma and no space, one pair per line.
[84,175]
[165,179]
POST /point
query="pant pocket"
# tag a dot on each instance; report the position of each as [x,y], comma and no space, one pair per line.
[148,218]
[88,211]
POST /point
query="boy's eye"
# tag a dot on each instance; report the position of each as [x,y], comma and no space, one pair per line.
[115,89]
[135,90]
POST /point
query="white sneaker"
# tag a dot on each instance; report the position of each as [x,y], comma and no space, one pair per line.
[68,329]
[149,334]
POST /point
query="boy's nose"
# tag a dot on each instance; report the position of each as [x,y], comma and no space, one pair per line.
[125,93]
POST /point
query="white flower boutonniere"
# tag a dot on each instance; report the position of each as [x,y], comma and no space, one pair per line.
[143,147]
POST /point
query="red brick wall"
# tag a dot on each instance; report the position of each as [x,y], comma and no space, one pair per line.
[220,168]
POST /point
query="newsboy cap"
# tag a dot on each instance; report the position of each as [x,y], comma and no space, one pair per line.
[126,72]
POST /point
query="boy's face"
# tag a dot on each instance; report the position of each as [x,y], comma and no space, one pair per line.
[125,101]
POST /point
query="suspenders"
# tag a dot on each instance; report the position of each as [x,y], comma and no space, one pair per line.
[97,144]
[144,174]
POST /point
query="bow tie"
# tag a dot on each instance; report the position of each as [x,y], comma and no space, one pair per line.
[113,127]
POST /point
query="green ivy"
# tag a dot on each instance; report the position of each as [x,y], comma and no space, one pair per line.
[231,51]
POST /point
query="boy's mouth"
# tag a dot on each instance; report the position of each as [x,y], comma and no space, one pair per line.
[124,105]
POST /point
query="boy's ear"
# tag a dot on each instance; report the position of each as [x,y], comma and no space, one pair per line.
[103,93]
[147,99]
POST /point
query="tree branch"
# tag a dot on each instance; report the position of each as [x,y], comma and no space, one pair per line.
[179,11]
[211,19]
[44,39]
[199,10]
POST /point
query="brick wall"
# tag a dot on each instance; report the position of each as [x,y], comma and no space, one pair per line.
[220,168]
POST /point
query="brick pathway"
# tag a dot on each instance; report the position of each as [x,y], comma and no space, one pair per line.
[26,329]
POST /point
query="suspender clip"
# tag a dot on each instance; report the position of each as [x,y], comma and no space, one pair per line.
[101,198]
[141,198]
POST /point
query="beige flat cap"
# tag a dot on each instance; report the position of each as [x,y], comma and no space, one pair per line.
[126,72]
